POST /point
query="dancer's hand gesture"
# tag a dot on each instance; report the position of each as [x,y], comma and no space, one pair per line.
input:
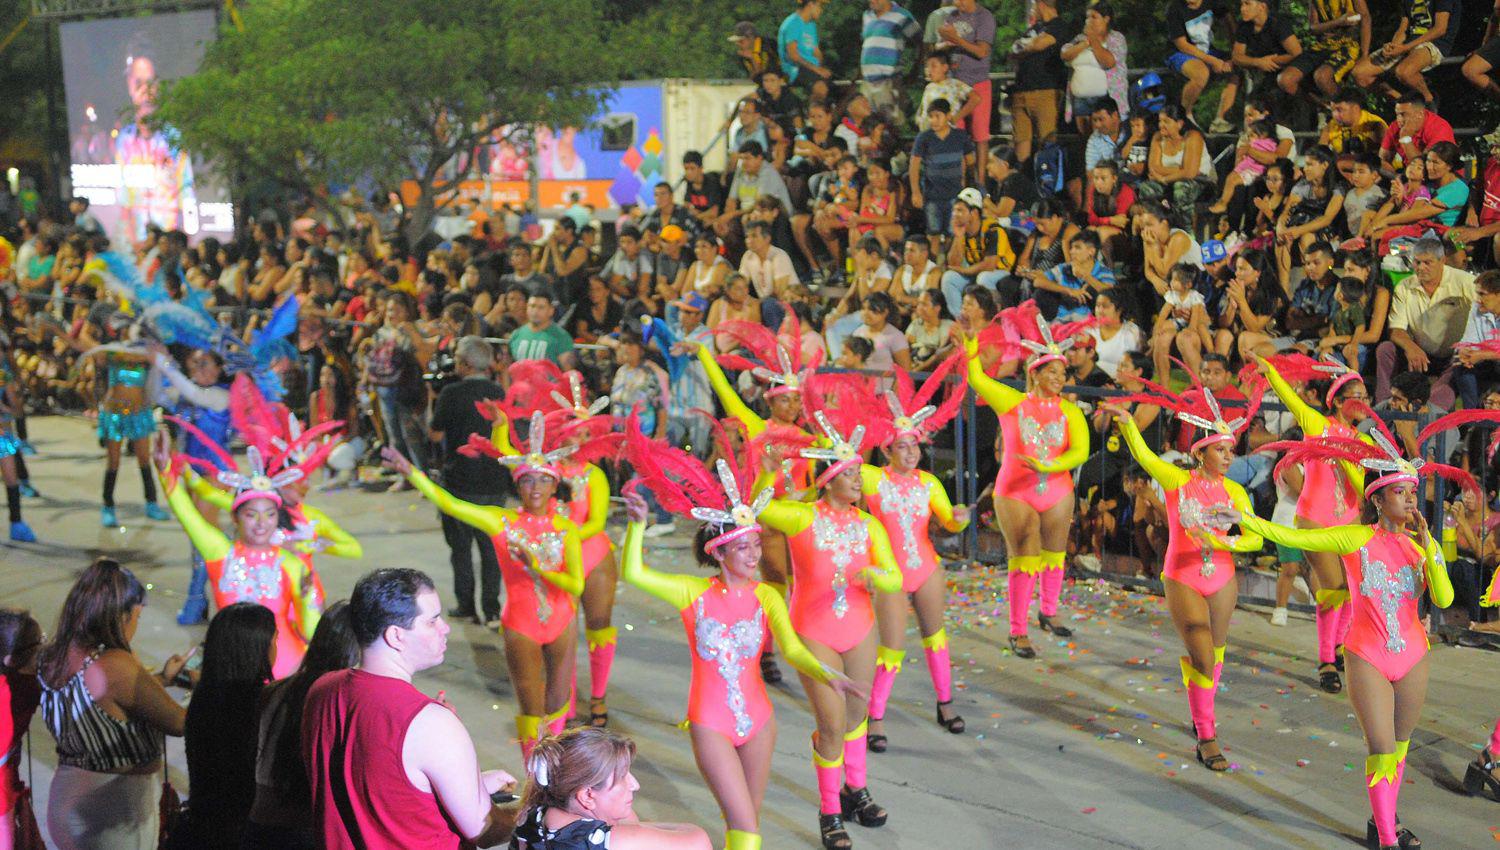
[635,508]
[161,453]
[395,460]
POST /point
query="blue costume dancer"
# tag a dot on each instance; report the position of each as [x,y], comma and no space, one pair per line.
[10,448]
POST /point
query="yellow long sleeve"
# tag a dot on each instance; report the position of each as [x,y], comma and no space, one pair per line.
[733,404]
[490,520]
[796,652]
[1249,540]
[1078,442]
[306,603]
[883,571]
[570,578]
[210,542]
[787,516]
[676,590]
[1312,423]
[1439,588]
[205,490]
[598,503]
[1339,539]
[1169,476]
[1000,397]
[939,504]
[341,544]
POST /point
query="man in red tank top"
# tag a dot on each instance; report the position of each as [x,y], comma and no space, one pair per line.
[390,767]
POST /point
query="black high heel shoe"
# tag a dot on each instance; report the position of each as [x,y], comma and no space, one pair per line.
[1049,625]
[954,724]
[1329,679]
[831,830]
[859,807]
[1021,646]
[876,742]
[1405,838]
[1217,762]
[1478,778]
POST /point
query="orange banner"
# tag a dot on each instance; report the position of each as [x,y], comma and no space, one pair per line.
[555,194]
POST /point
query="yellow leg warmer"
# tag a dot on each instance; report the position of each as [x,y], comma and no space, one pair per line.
[528,727]
[819,761]
[1053,560]
[1219,654]
[1190,674]
[889,659]
[1026,564]
[859,731]
[738,839]
[1330,600]
[1381,767]
[936,641]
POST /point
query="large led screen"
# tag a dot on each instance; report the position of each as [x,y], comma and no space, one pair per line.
[131,175]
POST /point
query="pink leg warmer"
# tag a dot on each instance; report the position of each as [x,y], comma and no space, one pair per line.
[854,755]
[939,667]
[1327,622]
[1021,584]
[1346,618]
[880,690]
[830,777]
[1051,581]
[1383,796]
[1495,740]
[601,658]
[1200,693]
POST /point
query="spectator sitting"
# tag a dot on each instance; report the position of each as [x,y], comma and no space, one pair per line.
[1350,128]
[1340,34]
[1183,322]
[1424,36]
[872,274]
[917,274]
[1106,132]
[1415,129]
[1450,195]
[708,271]
[1264,43]
[1480,364]
[1314,211]
[580,793]
[1180,168]
[1010,193]
[752,126]
[889,346]
[1313,303]
[219,732]
[980,254]
[752,51]
[856,353]
[703,195]
[667,211]
[738,304]
[1428,308]
[778,104]
[1262,139]
[1190,27]
[671,261]
[751,180]
[927,335]
[1248,315]
[797,43]
[1365,197]
[1106,205]
[1484,222]
[1163,245]
[540,339]
[1114,336]
[375,744]
[1348,319]
[879,207]
[629,270]
[1066,291]
[834,211]
[769,270]
[1046,247]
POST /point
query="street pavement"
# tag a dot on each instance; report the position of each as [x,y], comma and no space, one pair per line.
[1085,747]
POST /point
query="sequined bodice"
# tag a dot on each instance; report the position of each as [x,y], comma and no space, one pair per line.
[251,574]
[537,537]
[905,503]
[577,480]
[1389,589]
[126,374]
[729,646]
[841,539]
[1198,502]
[1043,432]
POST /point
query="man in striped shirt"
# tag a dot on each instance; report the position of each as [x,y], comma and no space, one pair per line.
[887,27]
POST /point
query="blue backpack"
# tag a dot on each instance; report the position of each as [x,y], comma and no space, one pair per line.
[1048,166]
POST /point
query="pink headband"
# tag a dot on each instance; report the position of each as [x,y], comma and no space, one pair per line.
[246,495]
[832,471]
[1211,439]
[1338,384]
[1389,478]
[730,536]
[781,389]
[1042,360]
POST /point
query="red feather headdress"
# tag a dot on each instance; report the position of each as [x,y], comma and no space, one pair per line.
[276,433]
[684,486]
[777,358]
[910,407]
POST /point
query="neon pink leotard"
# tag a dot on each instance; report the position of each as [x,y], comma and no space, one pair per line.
[726,631]
[588,509]
[830,552]
[1385,571]
[905,504]
[1330,489]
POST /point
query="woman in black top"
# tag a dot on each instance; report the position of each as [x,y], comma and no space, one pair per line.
[220,728]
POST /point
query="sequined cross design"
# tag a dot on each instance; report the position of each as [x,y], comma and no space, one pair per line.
[253,575]
[1194,514]
[842,543]
[1391,586]
[578,487]
[1042,441]
[729,647]
[1341,494]
[907,505]
[547,549]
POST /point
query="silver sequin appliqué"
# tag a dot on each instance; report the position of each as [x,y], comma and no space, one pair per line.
[547,549]
[256,577]
[1391,586]
[907,505]
[1041,441]
[842,543]
[1194,514]
[729,647]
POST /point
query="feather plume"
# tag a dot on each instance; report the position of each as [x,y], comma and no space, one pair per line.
[480,446]
[849,400]
[1463,479]
[253,416]
[1298,367]
[756,339]
[1456,419]
[1355,404]
[679,481]
[207,441]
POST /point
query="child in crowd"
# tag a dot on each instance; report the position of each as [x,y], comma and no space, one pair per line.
[941,85]
[1262,138]
[856,353]
[1184,309]
[1365,195]
[1348,317]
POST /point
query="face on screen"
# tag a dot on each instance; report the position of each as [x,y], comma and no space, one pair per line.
[140,79]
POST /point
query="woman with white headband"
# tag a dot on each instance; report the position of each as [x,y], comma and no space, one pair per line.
[1199,579]
[1045,437]
[1390,558]
[538,550]
[728,619]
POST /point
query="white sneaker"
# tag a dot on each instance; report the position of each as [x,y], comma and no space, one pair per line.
[662,529]
[1278,617]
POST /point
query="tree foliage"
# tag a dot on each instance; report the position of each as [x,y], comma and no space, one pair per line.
[313,93]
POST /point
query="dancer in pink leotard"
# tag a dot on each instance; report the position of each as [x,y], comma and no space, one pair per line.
[1330,490]
[728,619]
[1045,437]
[905,499]
[1386,557]
[1199,578]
